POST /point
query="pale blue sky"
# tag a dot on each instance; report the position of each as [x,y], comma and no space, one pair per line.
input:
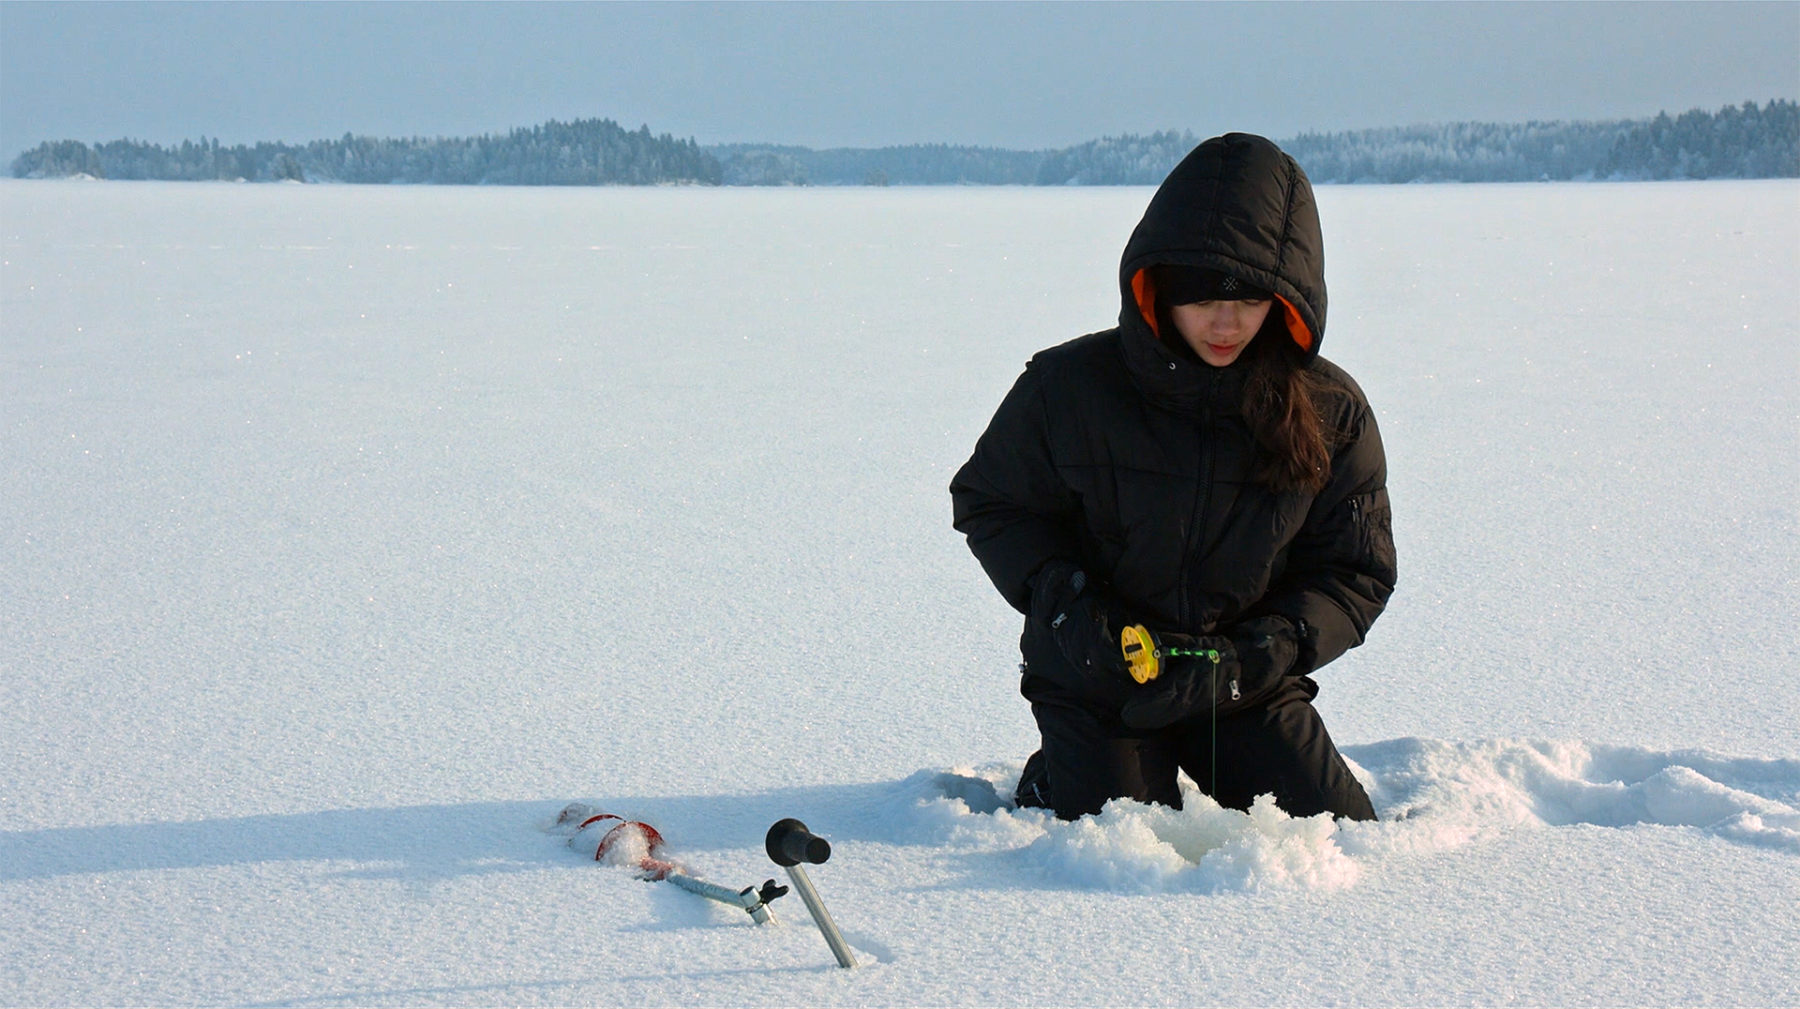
[828,74]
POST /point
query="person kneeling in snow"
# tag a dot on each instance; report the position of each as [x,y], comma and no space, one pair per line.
[1198,471]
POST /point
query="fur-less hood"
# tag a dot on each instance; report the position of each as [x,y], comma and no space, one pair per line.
[1240,205]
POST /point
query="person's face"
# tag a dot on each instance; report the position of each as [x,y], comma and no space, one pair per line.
[1220,330]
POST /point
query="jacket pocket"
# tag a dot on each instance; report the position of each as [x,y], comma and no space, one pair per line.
[1373,521]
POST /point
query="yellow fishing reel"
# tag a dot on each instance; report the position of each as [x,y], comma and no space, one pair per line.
[1142,654]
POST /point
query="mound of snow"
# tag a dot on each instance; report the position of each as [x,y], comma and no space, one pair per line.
[1437,794]
[1432,795]
[1201,847]
[1131,847]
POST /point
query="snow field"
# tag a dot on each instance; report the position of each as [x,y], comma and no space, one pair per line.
[351,532]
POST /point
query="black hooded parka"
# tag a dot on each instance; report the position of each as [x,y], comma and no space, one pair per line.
[1128,456]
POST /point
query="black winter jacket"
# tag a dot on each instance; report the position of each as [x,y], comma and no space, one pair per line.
[1133,460]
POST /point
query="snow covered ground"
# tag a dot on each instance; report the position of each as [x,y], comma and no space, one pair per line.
[349,532]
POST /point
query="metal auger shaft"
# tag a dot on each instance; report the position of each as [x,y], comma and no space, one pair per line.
[751,899]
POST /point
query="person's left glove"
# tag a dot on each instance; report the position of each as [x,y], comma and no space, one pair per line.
[1202,674]
[1267,648]
[1080,618]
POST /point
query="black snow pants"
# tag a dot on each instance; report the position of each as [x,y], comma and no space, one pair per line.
[1280,747]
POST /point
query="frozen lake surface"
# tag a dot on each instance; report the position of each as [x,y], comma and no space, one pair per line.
[349,532]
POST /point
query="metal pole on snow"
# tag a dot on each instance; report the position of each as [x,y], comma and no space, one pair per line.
[789,843]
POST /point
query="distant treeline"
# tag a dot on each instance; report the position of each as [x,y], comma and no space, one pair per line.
[914,165]
[1738,141]
[587,152]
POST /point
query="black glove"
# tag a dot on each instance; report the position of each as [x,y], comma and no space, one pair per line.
[1267,648]
[1080,618]
[1202,674]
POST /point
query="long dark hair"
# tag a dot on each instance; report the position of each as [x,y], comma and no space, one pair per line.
[1285,404]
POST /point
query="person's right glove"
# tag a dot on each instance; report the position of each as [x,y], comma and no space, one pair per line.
[1080,618]
[1201,674]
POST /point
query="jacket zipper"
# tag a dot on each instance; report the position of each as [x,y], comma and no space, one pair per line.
[1202,495]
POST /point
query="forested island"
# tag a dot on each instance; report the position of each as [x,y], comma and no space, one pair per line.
[1737,141]
[586,152]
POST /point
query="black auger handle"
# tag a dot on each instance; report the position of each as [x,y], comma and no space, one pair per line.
[790,843]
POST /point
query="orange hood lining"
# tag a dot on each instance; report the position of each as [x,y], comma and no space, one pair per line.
[1143,289]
